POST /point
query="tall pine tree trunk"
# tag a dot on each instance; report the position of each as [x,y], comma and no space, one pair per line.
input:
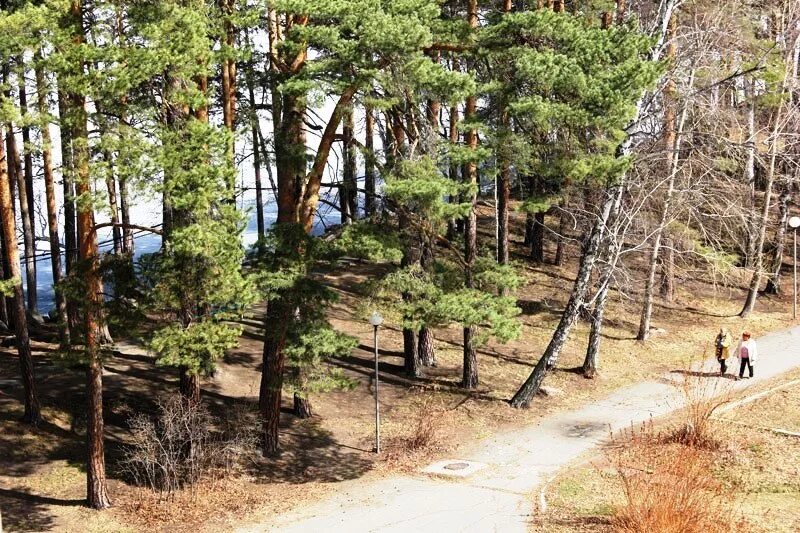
[452,227]
[15,170]
[228,77]
[469,379]
[503,181]
[111,188]
[26,144]
[32,413]
[291,169]
[97,491]
[68,182]
[52,209]
[561,242]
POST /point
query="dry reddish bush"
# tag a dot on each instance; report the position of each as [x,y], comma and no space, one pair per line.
[703,397]
[422,434]
[670,488]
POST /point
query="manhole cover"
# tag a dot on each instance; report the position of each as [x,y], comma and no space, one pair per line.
[456,466]
[583,430]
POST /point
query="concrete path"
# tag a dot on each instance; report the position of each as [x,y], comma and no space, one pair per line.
[500,496]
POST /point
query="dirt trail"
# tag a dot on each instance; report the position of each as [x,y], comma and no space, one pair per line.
[500,496]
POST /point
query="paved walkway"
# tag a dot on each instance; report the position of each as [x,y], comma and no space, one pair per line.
[500,497]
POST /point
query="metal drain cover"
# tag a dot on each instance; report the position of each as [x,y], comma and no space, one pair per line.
[453,468]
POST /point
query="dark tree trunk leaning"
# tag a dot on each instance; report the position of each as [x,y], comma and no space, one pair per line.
[525,394]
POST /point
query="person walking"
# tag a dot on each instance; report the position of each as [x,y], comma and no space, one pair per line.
[747,352]
[722,344]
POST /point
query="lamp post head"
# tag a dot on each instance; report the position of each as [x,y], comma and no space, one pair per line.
[794,222]
[376,319]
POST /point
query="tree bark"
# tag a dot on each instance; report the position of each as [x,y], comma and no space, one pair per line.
[50,197]
[97,491]
[755,282]
[25,215]
[426,349]
[668,272]
[275,327]
[528,390]
[68,181]
[348,192]
[470,378]
[26,143]
[537,238]
[125,212]
[111,188]
[774,282]
[189,386]
[255,127]
[590,364]
[369,163]
[452,226]
[228,76]
[32,414]
[750,177]
[672,143]
[302,407]
[561,242]
[503,180]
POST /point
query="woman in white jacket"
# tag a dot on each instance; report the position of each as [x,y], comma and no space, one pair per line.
[747,352]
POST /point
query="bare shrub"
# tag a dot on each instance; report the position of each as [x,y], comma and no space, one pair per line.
[670,488]
[181,446]
[703,397]
[421,434]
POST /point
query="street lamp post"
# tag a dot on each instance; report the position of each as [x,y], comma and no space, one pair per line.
[794,223]
[376,320]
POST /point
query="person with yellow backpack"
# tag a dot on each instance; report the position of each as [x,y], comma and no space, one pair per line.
[722,344]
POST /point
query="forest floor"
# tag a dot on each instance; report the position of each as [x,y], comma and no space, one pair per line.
[41,479]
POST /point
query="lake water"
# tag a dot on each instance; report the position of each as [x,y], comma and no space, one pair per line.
[146,243]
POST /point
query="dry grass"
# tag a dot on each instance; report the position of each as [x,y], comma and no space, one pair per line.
[671,489]
[703,398]
[646,481]
[420,438]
